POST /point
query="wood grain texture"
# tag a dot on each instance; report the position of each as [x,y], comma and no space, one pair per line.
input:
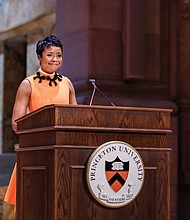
[56,159]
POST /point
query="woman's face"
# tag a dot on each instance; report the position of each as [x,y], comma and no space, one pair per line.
[51,59]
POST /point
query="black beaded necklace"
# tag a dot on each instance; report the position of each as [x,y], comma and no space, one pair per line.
[51,80]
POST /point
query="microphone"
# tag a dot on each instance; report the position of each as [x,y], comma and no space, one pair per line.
[92,80]
[94,90]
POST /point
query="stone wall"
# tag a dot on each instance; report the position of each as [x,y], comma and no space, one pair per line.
[18,12]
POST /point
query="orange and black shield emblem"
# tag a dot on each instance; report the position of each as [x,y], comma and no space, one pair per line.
[116,173]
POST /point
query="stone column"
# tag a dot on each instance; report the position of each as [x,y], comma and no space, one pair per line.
[1,95]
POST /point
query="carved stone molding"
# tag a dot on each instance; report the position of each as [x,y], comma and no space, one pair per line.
[47,22]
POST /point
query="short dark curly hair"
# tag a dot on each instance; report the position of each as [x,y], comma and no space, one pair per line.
[48,42]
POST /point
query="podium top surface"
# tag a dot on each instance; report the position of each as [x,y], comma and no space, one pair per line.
[95,117]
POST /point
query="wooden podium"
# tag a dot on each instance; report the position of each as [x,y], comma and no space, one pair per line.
[55,143]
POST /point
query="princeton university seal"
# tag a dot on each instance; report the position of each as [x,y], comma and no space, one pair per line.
[115,174]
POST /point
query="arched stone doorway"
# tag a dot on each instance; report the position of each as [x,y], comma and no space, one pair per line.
[14,73]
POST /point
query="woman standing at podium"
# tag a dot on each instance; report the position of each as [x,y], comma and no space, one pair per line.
[45,87]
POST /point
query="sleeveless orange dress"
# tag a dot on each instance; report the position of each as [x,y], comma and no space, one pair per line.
[45,89]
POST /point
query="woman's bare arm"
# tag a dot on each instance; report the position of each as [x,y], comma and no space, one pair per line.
[72,95]
[21,102]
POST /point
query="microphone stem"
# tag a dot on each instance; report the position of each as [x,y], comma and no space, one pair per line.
[105,97]
[92,97]
[94,90]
